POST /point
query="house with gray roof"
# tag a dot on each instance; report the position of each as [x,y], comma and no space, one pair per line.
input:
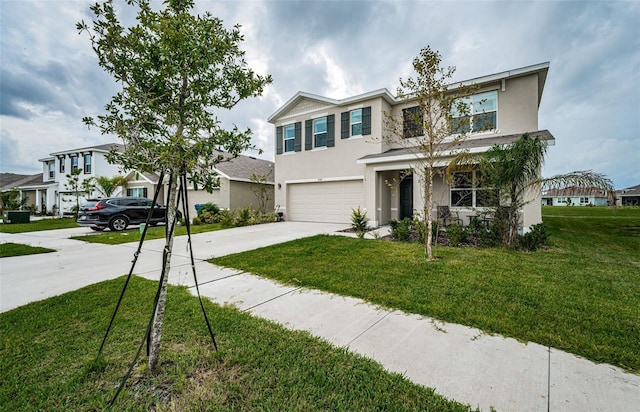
[241,180]
[629,196]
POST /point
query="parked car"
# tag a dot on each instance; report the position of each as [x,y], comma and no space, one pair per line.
[117,213]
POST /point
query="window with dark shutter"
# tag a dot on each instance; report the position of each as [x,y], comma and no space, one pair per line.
[344,125]
[308,135]
[366,120]
[331,130]
[298,137]
[279,140]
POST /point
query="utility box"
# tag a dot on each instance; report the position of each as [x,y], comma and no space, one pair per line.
[16,216]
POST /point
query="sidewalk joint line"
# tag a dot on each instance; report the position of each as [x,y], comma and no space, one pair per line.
[367,329]
[215,280]
[269,300]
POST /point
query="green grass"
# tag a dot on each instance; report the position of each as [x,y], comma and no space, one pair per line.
[581,295]
[133,235]
[37,225]
[48,349]
[15,249]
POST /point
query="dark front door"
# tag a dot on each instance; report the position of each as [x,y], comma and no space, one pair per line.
[406,197]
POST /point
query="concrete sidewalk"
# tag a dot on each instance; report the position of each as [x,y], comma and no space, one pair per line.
[461,363]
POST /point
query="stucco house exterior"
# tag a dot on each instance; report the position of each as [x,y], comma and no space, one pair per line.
[332,155]
[629,196]
[575,197]
[236,189]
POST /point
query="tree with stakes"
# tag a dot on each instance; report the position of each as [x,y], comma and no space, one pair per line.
[427,127]
[175,70]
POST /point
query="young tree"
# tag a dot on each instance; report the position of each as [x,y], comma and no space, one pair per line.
[176,69]
[77,188]
[428,128]
[108,185]
[262,190]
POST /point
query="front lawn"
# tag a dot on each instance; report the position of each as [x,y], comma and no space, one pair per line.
[37,225]
[48,347]
[581,295]
[133,235]
[15,249]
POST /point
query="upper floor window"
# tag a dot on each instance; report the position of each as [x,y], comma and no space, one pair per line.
[467,191]
[412,122]
[62,161]
[289,138]
[52,169]
[74,163]
[87,164]
[356,122]
[320,132]
[479,114]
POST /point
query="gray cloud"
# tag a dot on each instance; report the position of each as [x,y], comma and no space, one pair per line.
[591,102]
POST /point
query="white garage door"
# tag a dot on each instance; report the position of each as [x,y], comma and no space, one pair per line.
[329,202]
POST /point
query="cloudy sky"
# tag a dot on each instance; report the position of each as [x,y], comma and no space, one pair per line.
[50,79]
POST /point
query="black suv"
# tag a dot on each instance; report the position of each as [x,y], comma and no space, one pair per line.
[119,212]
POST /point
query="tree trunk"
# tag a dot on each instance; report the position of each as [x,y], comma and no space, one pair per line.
[427,212]
[156,329]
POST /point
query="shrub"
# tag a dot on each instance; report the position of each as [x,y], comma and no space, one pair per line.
[359,221]
[227,218]
[210,208]
[456,234]
[401,230]
[534,239]
[243,216]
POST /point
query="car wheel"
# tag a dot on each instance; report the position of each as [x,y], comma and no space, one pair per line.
[97,229]
[118,223]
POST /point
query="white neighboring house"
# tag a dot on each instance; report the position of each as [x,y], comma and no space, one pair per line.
[49,192]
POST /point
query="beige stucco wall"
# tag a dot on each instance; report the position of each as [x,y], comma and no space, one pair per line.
[242,195]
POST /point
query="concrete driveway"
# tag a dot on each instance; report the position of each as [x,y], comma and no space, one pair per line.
[76,264]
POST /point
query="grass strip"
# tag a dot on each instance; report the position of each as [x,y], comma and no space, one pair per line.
[15,249]
[38,225]
[48,348]
[133,235]
[581,295]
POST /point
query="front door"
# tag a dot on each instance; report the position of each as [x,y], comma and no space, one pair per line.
[406,198]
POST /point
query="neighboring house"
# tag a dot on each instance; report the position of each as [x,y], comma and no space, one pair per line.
[332,155]
[236,189]
[574,196]
[49,191]
[629,196]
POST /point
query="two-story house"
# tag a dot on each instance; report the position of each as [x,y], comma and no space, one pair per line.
[53,194]
[333,156]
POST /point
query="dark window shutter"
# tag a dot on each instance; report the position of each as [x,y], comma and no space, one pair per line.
[366,120]
[331,130]
[297,143]
[279,140]
[144,192]
[344,125]
[129,192]
[308,135]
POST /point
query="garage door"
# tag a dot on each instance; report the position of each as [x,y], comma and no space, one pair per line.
[329,202]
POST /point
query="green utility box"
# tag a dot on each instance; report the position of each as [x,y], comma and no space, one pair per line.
[16,216]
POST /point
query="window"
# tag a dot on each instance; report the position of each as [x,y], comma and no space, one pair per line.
[584,200]
[289,138]
[62,161]
[412,122]
[137,192]
[74,163]
[87,164]
[467,191]
[478,113]
[52,169]
[356,122]
[320,132]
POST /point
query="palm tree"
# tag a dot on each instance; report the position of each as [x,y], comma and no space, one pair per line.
[108,185]
[514,169]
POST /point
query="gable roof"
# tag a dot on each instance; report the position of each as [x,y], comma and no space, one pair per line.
[9,181]
[541,69]
[630,191]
